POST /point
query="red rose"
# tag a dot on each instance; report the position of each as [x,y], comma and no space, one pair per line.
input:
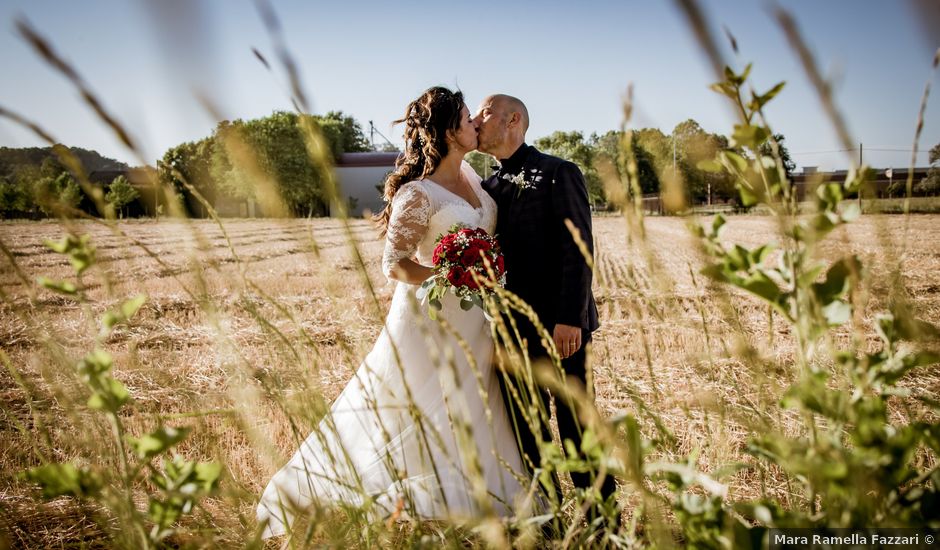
[456,275]
[500,266]
[467,280]
[471,255]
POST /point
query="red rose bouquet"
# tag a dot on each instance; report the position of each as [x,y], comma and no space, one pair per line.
[463,259]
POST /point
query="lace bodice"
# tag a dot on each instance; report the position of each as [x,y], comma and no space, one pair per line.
[423,210]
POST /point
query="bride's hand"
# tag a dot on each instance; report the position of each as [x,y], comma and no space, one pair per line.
[411,272]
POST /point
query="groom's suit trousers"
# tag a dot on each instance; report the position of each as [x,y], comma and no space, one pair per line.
[566,414]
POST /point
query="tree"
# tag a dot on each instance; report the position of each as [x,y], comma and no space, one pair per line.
[655,148]
[15,199]
[571,146]
[344,134]
[610,147]
[277,148]
[120,194]
[51,167]
[766,150]
[482,163]
[930,185]
[190,162]
[241,157]
[60,195]
[694,145]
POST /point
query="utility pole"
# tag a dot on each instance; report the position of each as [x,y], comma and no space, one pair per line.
[673,155]
[860,166]
[372,134]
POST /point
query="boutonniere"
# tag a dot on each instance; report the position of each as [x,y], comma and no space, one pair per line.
[524,180]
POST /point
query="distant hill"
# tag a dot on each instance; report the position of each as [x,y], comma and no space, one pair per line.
[12,159]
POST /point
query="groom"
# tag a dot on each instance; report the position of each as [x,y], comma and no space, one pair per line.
[535,194]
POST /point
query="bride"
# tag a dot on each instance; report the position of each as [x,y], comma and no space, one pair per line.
[421,429]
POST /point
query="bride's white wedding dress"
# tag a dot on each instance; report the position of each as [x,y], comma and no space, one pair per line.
[422,428]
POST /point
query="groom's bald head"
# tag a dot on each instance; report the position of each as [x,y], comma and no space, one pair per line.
[512,105]
[502,121]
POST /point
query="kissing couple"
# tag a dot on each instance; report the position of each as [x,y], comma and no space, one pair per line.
[444,418]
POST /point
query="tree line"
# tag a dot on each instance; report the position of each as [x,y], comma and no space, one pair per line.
[658,157]
[233,163]
[227,165]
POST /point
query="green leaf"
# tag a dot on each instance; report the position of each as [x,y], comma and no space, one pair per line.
[81,254]
[710,166]
[763,286]
[746,73]
[733,78]
[717,272]
[163,514]
[729,74]
[130,307]
[590,444]
[111,396]
[62,287]
[830,195]
[748,197]
[810,274]
[208,474]
[837,313]
[838,280]
[738,258]
[820,225]
[748,135]
[856,179]
[923,358]
[759,254]
[717,224]
[772,93]
[64,479]
[688,476]
[81,262]
[61,246]
[734,160]
[94,364]
[885,327]
[158,441]
[725,89]
[768,163]
[851,212]
[124,312]
[758,101]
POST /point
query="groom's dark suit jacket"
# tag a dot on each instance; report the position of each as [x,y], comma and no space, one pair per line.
[544,265]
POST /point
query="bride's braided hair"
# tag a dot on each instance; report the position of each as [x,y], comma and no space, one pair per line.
[427,120]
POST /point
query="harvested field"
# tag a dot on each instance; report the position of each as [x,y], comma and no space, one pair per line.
[245,329]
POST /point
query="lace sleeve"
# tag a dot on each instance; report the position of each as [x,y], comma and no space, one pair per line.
[411,211]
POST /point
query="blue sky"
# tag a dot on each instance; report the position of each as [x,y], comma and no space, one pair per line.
[571,65]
